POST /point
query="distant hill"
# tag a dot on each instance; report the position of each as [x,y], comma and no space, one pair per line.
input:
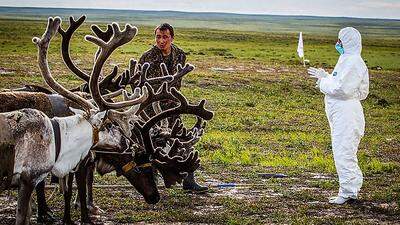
[225,21]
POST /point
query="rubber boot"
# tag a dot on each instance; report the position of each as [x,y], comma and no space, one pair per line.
[189,184]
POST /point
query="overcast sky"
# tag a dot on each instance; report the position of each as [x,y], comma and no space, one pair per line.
[348,8]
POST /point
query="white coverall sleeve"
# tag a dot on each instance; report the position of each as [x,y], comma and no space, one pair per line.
[342,87]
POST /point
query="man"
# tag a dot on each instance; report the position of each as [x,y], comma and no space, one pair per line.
[344,89]
[166,52]
[163,52]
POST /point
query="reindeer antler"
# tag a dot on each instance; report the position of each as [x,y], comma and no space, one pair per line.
[180,72]
[108,82]
[103,35]
[181,164]
[111,84]
[43,44]
[66,38]
[183,108]
[162,94]
[182,139]
[139,78]
[180,132]
[118,39]
[175,161]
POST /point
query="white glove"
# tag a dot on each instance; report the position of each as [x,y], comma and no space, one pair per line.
[317,73]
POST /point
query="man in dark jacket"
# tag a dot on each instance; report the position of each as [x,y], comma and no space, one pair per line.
[163,52]
[166,52]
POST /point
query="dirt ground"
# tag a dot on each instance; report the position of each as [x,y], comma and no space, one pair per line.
[261,200]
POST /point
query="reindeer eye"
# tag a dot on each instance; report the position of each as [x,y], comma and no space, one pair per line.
[109,126]
[137,170]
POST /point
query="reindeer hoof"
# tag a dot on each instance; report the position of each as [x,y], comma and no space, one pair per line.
[77,205]
[87,223]
[46,217]
[95,210]
[69,223]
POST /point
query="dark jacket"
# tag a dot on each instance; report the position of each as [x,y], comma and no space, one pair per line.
[155,58]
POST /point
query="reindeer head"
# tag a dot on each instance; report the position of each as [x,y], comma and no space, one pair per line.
[136,168]
[141,176]
[106,134]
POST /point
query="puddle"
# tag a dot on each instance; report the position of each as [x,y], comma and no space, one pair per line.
[4,71]
[244,193]
[267,70]
[320,176]
[229,69]
[303,188]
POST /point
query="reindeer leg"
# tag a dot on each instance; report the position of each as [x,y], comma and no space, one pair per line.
[29,212]
[44,214]
[94,209]
[77,201]
[67,182]
[81,183]
[24,197]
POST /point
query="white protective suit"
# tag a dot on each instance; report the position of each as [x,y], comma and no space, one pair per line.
[343,89]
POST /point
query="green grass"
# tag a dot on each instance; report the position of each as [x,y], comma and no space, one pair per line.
[268,118]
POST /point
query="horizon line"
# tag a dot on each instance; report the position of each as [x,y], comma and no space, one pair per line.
[210,12]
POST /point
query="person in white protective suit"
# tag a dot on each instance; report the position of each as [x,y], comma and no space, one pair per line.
[344,89]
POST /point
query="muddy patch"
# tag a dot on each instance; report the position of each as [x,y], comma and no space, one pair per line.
[264,200]
[5,71]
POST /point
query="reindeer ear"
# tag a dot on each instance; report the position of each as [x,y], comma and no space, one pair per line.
[77,111]
[86,114]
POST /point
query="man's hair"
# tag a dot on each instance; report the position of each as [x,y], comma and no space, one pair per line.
[165,26]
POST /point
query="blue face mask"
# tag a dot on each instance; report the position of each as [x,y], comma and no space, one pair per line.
[339,48]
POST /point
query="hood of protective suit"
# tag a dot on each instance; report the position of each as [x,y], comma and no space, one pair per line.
[351,41]
[350,78]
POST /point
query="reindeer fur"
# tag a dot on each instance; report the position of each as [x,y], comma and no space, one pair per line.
[50,104]
[31,133]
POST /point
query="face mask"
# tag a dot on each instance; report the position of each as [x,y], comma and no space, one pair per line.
[339,48]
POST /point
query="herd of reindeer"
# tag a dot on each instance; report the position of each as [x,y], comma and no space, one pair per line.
[70,133]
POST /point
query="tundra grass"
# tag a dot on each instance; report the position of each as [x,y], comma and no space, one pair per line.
[269,118]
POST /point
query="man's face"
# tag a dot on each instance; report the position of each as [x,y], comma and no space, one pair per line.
[163,39]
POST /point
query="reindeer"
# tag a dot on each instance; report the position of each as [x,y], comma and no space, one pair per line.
[31,135]
[50,104]
[172,149]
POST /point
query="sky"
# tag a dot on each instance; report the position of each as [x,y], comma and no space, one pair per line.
[389,9]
